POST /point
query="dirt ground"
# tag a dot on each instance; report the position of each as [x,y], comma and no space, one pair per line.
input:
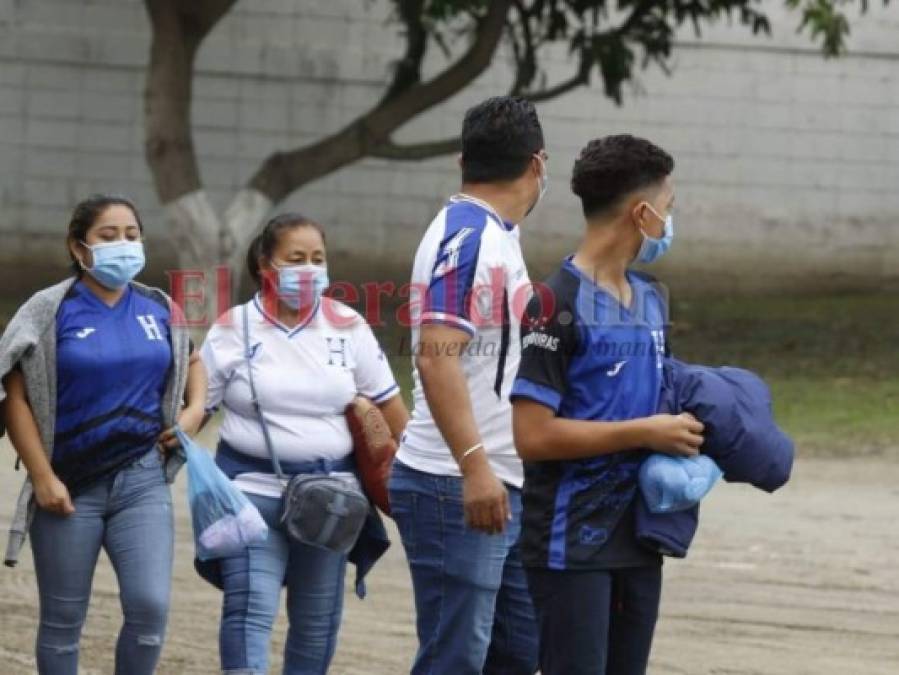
[802,582]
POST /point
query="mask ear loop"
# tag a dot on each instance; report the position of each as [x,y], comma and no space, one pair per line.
[645,204]
[81,264]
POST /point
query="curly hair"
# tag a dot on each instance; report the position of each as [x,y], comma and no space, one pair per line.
[499,137]
[610,168]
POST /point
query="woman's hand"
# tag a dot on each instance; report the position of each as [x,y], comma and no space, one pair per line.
[52,495]
[189,420]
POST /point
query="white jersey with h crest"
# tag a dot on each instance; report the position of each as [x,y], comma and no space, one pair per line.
[469,273]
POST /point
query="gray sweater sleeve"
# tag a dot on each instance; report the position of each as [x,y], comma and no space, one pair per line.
[19,339]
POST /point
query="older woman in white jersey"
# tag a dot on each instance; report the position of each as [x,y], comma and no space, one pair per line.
[310,356]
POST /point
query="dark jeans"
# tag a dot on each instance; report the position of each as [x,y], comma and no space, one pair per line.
[596,622]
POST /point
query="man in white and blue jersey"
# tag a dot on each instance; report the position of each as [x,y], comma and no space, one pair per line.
[584,412]
[455,487]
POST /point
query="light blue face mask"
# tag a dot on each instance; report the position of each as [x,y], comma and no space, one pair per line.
[116,262]
[652,249]
[294,284]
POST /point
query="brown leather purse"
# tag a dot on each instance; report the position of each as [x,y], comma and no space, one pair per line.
[374,449]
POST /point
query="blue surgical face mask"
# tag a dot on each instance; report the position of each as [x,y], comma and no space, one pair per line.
[302,283]
[116,262]
[652,249]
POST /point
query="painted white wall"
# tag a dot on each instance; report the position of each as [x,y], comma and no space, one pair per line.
[787,163]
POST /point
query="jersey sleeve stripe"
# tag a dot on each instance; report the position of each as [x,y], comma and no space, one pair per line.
[542,394]
[449,320]
[387,393]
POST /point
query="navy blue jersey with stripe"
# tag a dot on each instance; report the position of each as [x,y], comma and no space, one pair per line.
[587,357]
[112,368]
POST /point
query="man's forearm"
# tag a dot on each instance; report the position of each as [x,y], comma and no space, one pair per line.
[446,391]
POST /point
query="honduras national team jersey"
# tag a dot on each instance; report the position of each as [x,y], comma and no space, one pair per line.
[112,368]
[305,376]
[587,357]
[469,274]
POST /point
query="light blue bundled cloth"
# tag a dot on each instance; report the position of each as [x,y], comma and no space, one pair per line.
[673,484]
[225,522]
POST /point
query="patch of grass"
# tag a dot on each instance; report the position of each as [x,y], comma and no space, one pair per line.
[831,361]
[839,415]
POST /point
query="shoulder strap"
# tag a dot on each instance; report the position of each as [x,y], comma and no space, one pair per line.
[248,355]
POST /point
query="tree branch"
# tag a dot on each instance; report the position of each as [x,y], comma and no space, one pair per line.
[416,151]
[408,68]
[178,29]
[587,58]
[579,79]
[282,173]
[526,54]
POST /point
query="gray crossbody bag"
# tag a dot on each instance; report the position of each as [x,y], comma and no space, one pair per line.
[317,509]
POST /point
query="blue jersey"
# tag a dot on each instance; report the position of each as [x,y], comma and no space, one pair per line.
[112,368]
[587,357]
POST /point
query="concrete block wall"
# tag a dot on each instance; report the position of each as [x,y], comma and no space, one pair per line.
[787,163]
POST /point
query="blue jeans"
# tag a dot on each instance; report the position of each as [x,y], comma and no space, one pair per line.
[130,516]
[252,584]
[596,622]
[474,612]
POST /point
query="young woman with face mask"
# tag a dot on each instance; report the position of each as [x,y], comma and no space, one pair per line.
[95,371]
[310,355]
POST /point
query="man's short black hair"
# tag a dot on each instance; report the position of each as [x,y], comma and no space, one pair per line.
[612,167]
[499,137]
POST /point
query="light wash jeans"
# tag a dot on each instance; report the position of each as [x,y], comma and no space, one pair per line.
[474,613]
[129,515]
[252,584]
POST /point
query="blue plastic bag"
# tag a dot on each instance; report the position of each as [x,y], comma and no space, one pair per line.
[225,522]
[676,483]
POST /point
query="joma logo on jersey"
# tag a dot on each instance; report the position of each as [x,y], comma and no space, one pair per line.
[151,328]
[449,256]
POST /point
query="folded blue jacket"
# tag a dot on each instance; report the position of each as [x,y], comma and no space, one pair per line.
[741,437]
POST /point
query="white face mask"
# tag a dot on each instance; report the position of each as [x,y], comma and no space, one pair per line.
[542,185]
[543,181]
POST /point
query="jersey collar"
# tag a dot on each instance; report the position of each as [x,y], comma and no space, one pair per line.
[265,316]
[602,292]
[462,197]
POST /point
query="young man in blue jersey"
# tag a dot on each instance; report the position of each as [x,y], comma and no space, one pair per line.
[584,413]
[455,488]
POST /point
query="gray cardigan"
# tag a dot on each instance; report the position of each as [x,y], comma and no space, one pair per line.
[30,343]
